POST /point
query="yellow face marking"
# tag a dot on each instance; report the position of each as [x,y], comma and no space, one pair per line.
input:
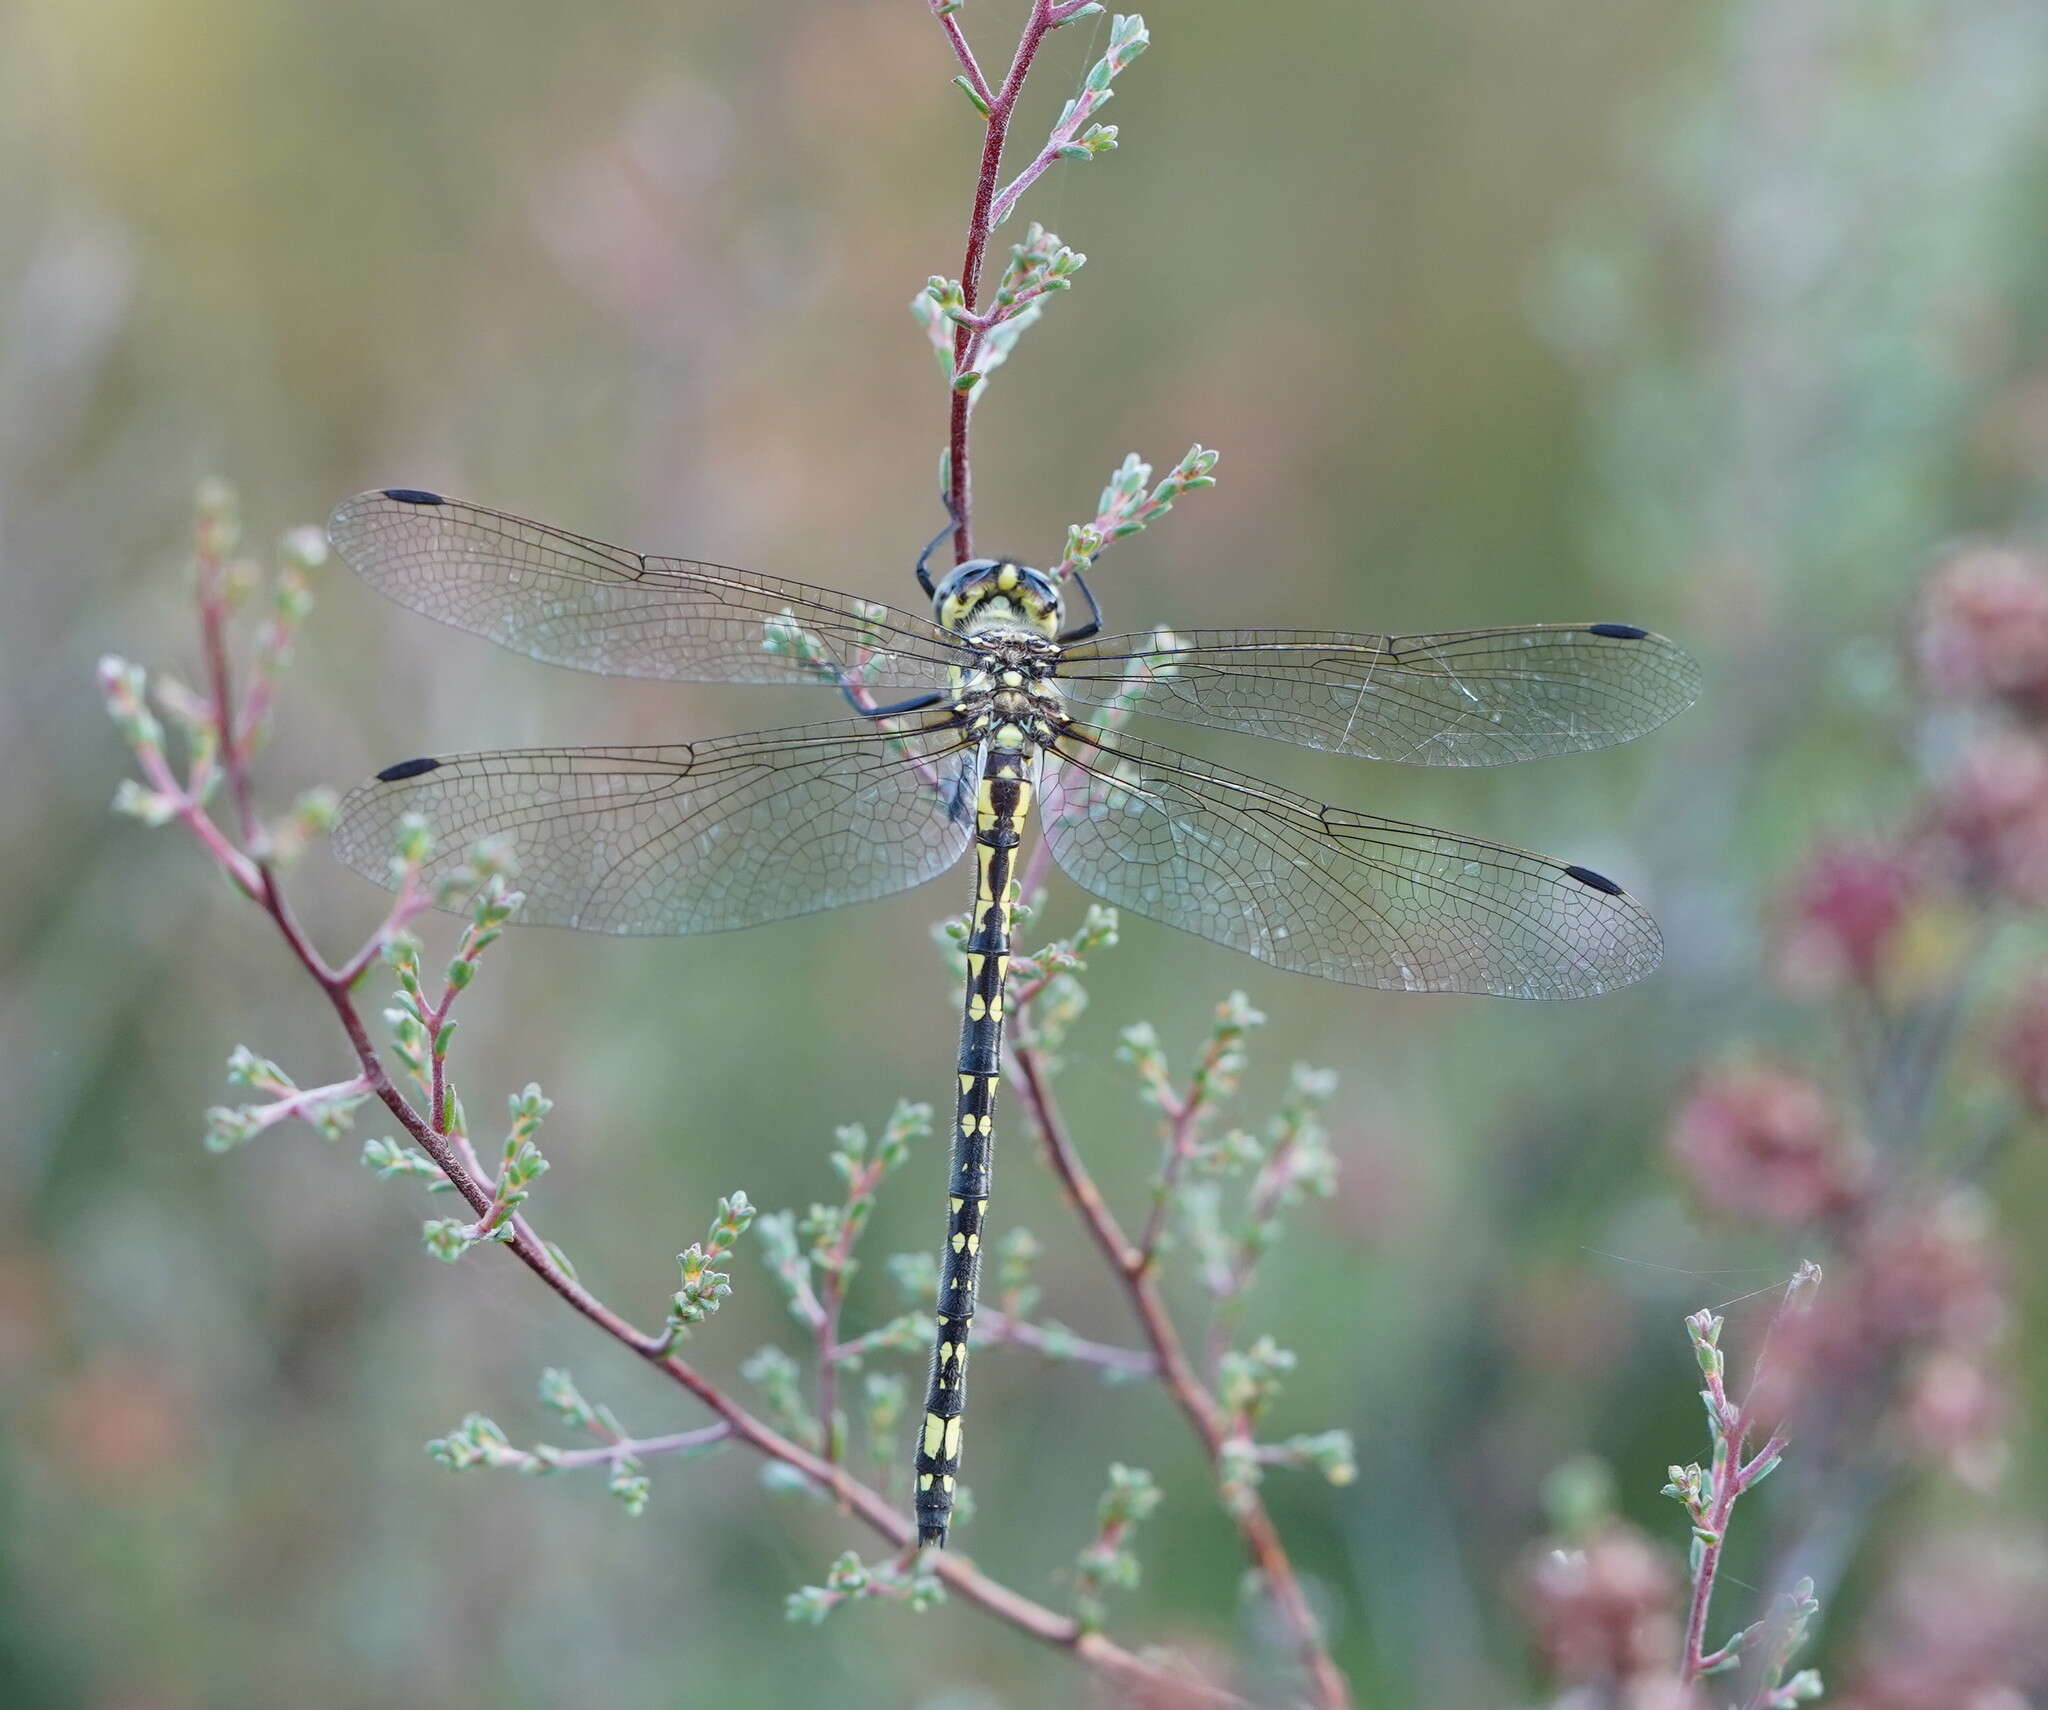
[1006,578]
[952,1439]
[934,1434]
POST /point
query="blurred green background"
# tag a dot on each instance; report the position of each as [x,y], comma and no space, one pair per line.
[1717,318]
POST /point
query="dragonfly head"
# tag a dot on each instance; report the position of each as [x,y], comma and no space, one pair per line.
[998,593]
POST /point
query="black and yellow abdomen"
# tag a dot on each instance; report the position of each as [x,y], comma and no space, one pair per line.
[1002,805]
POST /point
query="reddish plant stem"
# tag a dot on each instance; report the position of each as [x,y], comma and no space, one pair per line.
[832,1301]
[1733,1475]
[1183,1116]
[1230,1284]
[1254,1524]
[1002,104]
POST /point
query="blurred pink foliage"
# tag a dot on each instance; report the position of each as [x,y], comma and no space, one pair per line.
[1983,627]
[1757,1140]
[1992,810]
[1608,1609]
[2024,1050]
[1963,1626]
[1845,913]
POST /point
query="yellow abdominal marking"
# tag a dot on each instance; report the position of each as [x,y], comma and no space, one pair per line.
[952,1439]
[934,1434]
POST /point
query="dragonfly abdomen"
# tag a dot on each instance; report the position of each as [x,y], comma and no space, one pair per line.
[1002,804]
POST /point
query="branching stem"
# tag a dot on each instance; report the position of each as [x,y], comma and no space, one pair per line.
[1045,17]
[1261,1538]
[258,879]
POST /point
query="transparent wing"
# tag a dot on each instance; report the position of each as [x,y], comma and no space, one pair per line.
[1464,698]
[580,603]
[1345,896]
[692,837]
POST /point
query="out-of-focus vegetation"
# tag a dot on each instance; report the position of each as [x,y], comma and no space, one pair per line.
[1724,320]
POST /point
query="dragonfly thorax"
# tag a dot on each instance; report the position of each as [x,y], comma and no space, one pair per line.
[1009,697]
[998,594]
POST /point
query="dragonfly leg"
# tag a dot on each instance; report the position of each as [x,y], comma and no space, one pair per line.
[924,575]
[916,703]
[1081,632]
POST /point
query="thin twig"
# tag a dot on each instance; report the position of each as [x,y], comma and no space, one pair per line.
[1045,17]
[642,1448]
[1247,1511]
[1732,1471]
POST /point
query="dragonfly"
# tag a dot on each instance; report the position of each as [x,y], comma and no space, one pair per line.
[1003,710]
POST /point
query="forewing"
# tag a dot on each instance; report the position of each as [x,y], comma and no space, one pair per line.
[1345,896]
[696,837]
[1464,698]
[570,601]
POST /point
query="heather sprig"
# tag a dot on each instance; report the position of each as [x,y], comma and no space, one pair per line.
[914,1584]
[1130,504]
[1109,1562]
[479,1442]
[1709,1493]
[328,1110]
[704,1287]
